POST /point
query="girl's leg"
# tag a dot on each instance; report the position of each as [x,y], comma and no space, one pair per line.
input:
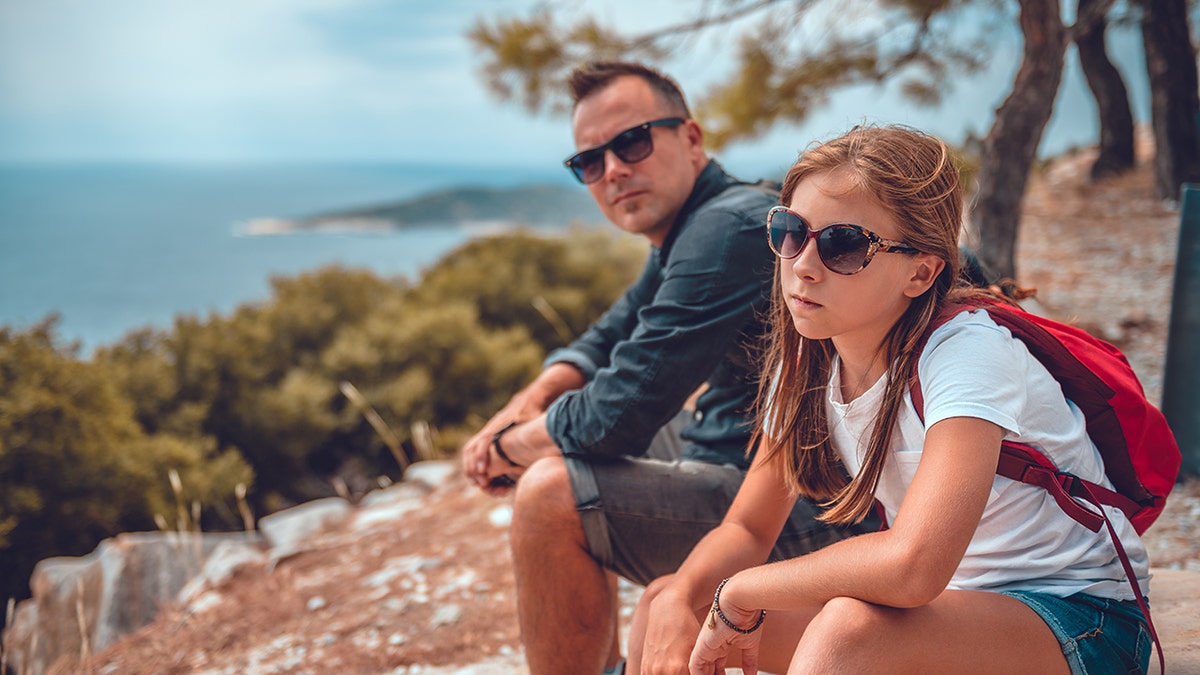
[960,631]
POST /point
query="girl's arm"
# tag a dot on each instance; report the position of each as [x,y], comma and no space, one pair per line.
[742,540]
[907,565]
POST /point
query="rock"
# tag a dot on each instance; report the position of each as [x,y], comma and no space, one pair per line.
[226,559]
[285,531]
[388,505]
[432,473]
[446,615]
[395,493]
[81,605]
[501,516]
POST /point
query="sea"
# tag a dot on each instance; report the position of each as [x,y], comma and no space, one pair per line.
[111,248]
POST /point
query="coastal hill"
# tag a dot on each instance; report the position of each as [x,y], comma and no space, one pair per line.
[540,206]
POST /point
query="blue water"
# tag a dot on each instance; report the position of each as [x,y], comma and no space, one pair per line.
[112,248]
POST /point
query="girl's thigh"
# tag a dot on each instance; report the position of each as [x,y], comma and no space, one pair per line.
[1095,634]
[960,631]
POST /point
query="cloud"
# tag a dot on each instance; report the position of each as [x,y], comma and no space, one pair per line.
[124,71]
[347,79]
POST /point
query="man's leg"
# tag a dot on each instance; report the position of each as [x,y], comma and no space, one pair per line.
[564,601]
[562,589]
[614,651]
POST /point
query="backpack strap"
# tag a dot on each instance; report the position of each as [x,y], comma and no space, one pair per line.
[1129,575]
[1025,464]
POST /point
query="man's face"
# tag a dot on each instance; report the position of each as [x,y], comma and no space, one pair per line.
[643,197]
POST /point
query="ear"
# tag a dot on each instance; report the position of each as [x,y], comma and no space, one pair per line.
[695,141]
[925,270]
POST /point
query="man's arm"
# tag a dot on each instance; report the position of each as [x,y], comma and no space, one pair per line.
[567,369]
[717,274]
[593,350]
[479,461]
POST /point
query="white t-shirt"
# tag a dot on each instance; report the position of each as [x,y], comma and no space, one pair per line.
[972,367]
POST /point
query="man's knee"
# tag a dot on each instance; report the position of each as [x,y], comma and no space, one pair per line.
[544,497]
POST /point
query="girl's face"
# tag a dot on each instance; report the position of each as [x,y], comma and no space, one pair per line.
[856,310]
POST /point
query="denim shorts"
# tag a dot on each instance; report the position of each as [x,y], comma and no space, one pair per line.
[643,515]
[1097,635]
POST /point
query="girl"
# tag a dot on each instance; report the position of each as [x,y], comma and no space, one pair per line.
[976,573]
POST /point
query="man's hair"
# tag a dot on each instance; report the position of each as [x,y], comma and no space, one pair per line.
[596,75]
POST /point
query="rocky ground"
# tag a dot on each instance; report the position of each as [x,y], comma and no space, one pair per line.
[429,590]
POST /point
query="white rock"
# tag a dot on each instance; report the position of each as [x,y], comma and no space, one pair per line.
[501,516]
[287,530]
[446,615]
[226,559]
[433,473]
[461,582]
[384,513]
[407,568]
[204,602]
[397,492]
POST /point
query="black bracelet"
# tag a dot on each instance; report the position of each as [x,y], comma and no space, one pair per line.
[499,450]
[716,612]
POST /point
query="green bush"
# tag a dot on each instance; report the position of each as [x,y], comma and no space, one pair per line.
[255,397]
[75,463]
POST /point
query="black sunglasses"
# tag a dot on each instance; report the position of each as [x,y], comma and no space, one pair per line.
[630,146]
[842,247]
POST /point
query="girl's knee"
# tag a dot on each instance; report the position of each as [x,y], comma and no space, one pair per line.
[652,590]
[845,632]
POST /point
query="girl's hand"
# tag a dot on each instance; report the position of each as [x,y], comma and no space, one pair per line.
[716,641]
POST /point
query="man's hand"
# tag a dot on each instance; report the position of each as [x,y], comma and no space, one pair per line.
[480,464]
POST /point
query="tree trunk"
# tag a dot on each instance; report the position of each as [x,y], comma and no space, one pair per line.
[1012,142]
[1112,99]
[1171,64]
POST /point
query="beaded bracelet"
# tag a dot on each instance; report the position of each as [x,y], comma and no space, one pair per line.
[500,451]
[716,612]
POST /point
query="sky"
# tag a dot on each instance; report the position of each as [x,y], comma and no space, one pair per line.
[382,81]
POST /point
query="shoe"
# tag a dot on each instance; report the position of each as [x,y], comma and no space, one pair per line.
[618,669]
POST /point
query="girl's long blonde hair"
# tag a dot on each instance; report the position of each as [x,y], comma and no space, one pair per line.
[914,176]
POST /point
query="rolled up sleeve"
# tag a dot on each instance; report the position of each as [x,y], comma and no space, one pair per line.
[714,277]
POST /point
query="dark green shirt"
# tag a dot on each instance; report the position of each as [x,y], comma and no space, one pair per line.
[692,317]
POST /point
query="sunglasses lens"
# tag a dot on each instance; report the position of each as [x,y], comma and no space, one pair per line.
[634,145]
[843,249]
[588,166]
[786,234]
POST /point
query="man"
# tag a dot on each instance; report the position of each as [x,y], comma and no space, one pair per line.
[585,502]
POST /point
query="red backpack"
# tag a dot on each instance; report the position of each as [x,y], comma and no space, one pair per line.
[1141,457]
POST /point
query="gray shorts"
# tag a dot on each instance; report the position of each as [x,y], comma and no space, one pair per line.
[643,515]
